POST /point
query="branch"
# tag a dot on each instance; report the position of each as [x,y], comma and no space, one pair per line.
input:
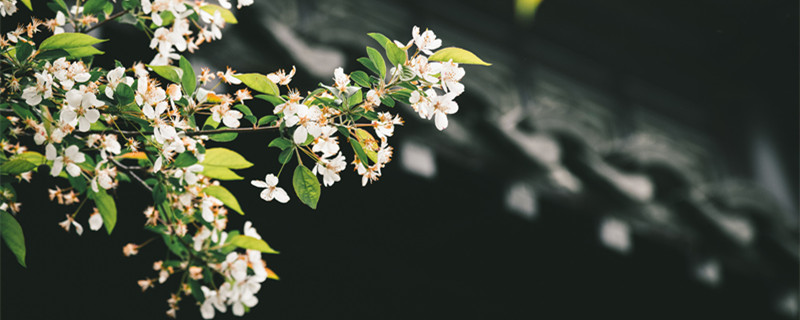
[129,170]
[112,17]
[187,133]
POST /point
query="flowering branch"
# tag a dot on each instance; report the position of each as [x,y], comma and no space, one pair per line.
[87,120]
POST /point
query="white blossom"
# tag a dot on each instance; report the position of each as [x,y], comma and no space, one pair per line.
[271,189]
[426,41]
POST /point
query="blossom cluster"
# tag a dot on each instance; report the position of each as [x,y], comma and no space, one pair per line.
[149,124]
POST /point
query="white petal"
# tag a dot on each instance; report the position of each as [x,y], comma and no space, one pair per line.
[73,170]
[265,194]
[281,195]
[95,221]
[300,135]
[58,164]
[271,180]
[50,150]
[259,183]
[441,121]
[78,227]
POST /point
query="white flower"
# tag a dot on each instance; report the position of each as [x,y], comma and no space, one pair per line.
[201,237]
[114,78]
[280,77]
[368,174]
[151,113]
[329,169]
[70,158]
[307,118]
[189,174]
[43,89]
[71,222]
[213,300]
[80,109]
[243,3]
[427,41]
[103,177]
[224,114]
[442,106]
[384,127]
[216,21]
[70,74]
[8,7]
[451,74]
[341,80]
[271,189]
[326,142]
[95,221]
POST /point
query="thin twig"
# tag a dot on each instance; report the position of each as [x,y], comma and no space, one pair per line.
[112,17]
[130,171]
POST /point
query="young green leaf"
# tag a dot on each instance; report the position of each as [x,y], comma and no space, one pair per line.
[248,242]
[225,196]
[266,120]
[259,82]
[220,173]
[171,73]
[274,100]
[377,60]
[359,151]
[225,158]
[24,50]
[224,137]
[396,55]
[458,55]
[12,235]
[226,14]
[108,209]
[360,78]
[27,4]
[368,64]
[16,166]
[306,186]
[281,143]
[68,40]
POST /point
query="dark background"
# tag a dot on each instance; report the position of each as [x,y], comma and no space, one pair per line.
[712,84]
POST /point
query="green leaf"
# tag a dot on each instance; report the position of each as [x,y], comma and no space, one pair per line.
[130,4]
[359,151]
[258,82]
[22,112]
[170,73]
[225,158]
[377,60]
[396,55]
[16,166]
[124,94]
[458,55]
[285,156]
[281,143]
[12,235]
[248,242]
[24,50]
[93,6]
[224,137]
[244,109]
[266,120]
[81,52]
[108,209]
[220,173]
[68,40]
[360,78]
[197,291]
[356,98]
[185,159]
[32,157]
[226,14]
[58,5]
[79,182]
[389,102]
[274,100]
[27,4]
[225,196]
[188,79]
[368,64]
[306,186]
[159,193]
[174,245]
